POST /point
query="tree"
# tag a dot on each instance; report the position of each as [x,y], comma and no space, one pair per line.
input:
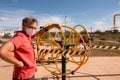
[7,35]
[115,31]
[103,38]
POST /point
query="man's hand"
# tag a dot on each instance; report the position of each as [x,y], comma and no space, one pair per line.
[6,54]
[20,64]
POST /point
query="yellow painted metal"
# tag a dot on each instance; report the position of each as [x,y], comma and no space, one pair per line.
[114,21]
[73,36]
[82,30]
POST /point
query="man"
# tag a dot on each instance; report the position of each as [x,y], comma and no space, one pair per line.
[24,55]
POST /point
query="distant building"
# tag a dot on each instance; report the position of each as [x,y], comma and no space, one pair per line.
[2,33]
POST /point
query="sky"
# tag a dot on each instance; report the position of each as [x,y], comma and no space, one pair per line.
[92,14]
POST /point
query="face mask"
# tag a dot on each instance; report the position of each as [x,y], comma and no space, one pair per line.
[30,31]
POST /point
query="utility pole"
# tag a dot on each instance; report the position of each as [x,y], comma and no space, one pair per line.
[65,20]
[91,29]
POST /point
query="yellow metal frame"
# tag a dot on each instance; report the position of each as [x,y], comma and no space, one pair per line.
[83,57]
[88,44]
[114,21]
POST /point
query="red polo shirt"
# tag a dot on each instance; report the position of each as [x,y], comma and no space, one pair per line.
[24,51]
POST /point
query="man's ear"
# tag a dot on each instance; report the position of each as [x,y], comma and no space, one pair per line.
[24,25]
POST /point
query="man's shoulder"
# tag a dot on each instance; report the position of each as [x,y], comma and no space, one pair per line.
[20,33]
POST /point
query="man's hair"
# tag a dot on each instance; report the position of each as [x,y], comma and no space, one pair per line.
[29,20]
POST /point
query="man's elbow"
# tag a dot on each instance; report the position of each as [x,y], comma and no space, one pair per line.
[1,52]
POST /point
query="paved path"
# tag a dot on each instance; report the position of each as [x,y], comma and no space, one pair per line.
[97,68]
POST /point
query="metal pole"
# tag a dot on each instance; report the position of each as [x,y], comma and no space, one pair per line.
[64,64]
[66,46]
[65,20]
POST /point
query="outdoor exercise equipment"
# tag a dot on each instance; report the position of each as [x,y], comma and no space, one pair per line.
[82,30]
[61,43]
[114,22]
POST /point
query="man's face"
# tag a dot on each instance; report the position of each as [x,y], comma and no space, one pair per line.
[30,25]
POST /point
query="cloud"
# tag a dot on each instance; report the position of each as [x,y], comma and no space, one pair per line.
[118,22]
[12,13]
[10,18]
[4,19]
[13,18]
[100,25]
[48,19]
[55,19]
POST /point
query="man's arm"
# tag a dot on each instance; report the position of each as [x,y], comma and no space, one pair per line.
[6,54]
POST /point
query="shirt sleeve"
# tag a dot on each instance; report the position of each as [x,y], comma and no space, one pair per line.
[17,41]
